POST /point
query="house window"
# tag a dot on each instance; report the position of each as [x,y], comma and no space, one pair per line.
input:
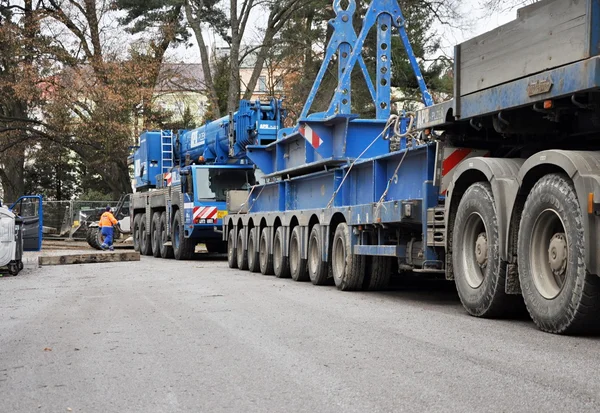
[262,84]
[279,85]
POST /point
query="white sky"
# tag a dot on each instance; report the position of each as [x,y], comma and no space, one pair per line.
[479,21]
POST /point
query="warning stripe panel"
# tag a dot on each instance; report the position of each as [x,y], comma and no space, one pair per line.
[454,157]
[205,213]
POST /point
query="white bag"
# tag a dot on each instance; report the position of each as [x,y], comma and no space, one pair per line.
[8,243]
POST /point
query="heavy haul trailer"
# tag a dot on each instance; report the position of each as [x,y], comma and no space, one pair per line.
[497,189]
[182,180]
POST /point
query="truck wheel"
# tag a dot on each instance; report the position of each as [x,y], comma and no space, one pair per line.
[183,248]
[561,296]
[266,259]
[156,236]
[318,271]
[348,269]
[136,232]
[231,253]
[298,265]
[145,238]
[94,237]
[165,251]
[377,277]
[281,265]
[479,274]
[253,259]
[241,253]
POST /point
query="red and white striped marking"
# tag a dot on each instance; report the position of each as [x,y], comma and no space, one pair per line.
[311,136]
[452,158]
[169,179]
[205,213]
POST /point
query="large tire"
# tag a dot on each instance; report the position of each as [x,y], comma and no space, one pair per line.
[561,295]
[231,250]
[281,265]
[318,270]
[165,251]
[183,248]
[253,259]
[266,259]
[241,253]
[377,276]
[298,265]
[156,236]
[136,232]
[479,274]
[145,237]
[348,269]
[94,237]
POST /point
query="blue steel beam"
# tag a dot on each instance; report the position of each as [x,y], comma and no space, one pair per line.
[377,14]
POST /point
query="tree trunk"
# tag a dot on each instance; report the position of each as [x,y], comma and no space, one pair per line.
[208,79]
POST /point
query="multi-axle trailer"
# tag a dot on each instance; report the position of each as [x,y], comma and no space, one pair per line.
[497,189]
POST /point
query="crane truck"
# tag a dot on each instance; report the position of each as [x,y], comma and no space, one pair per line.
[182,179]
[497,189]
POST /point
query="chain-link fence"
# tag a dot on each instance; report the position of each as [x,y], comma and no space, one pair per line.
[70,219]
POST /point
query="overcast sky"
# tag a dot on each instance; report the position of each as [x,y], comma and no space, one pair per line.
[480,23]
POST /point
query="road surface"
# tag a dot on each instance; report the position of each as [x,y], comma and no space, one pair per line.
[166,336]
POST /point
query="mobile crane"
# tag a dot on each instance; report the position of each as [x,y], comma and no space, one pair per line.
[182,179]
[497,189]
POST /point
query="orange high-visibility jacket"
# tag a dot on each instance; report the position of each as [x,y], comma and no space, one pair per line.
[108,220]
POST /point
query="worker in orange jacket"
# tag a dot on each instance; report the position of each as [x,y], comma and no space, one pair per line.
[107,220]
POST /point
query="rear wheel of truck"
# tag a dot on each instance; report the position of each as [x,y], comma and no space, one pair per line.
[165,251]
[560,294]
[231,251]
[318,270]
[136,232]
[253,260]
[183,248]
[266,259]
[298,265]
[155,231]
[145,238]
[348,269]
[94,237]
[479,274]
[281,266]
[378,273]
[241,253]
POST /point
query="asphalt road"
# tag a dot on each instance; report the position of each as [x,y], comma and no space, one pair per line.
[166,336]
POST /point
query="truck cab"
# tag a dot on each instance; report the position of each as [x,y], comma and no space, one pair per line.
[206,188]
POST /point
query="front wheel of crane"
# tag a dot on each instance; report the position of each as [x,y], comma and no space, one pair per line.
[281,265]
[165,251]
[145,238]
[266,259]
[183,248]
[561,295]
[298,265]
[348,269]
[253,259]
[241,253]
[136,232]
[231,251]
[156,239]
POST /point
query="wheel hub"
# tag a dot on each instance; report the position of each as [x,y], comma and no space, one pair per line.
[558,254]
[481,249]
